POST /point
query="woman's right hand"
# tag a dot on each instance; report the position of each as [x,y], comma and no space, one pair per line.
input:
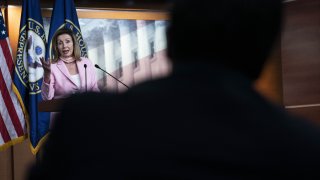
[46,65]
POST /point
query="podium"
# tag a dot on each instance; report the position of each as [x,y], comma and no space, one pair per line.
[54,105]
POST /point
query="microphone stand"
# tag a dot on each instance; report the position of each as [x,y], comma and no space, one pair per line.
[98,67]
[85,75]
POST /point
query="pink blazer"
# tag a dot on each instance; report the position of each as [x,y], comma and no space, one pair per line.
[61,85]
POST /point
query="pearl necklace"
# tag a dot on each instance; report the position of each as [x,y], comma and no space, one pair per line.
[69,60]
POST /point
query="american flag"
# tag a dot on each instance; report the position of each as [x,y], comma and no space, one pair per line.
[12,120]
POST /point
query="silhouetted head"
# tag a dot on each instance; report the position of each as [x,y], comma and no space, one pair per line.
[238,34]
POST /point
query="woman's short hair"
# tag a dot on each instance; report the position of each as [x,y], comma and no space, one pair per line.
[54,44]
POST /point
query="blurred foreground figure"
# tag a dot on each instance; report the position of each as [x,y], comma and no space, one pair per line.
[204,121]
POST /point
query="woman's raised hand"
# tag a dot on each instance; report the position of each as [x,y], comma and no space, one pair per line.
[46,65]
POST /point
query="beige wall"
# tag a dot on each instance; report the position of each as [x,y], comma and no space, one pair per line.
[15,162]
[301,58]
[6,163]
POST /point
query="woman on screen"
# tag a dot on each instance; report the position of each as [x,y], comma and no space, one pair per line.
[67,73]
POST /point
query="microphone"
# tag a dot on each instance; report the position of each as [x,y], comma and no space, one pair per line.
[98,67]
[85,76]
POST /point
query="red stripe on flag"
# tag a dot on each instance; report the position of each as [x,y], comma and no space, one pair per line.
[10,107]
[3,130]
[7,55]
